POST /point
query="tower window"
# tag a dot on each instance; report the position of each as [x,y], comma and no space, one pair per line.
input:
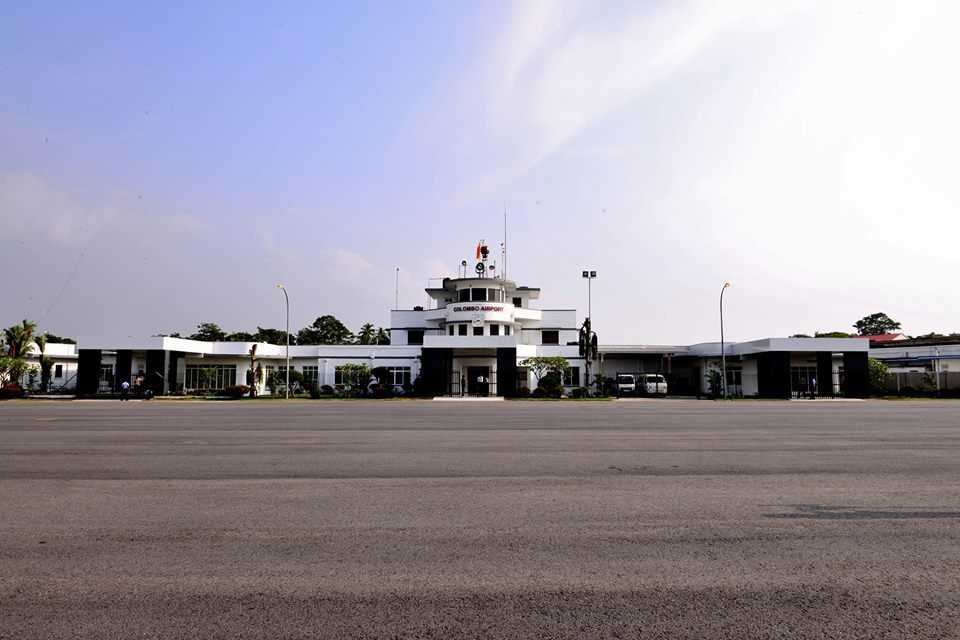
[478,295]
[550,337]
[494,329]
[518,302]
[415,336]
[463,295]
[451,329]
[478,331]
[462,329]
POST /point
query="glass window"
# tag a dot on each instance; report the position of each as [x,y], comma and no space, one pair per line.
[478,295]
[415,336]
[506,329]
[478,331]
[210,377]
[523,377]
[494,295]
[518,302]
[58,371]
[464,295]
[311,374]
[571,377]
[550,336]
[494,329]
[398,375]
[462,329]
[451,329]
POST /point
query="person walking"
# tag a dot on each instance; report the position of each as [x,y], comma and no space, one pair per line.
[124,390]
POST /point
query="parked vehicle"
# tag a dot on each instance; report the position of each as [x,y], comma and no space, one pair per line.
[626,384]
[641,384]
[653,384]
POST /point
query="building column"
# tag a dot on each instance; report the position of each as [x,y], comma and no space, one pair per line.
[773,374]
[507,372]
[856,383]
[88,371]
[173,370]
[824,374]
[156,378]
[435,370]
[123,368]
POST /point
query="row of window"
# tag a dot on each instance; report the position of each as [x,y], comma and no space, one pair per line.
[483,295]
[461,329]
[210,377]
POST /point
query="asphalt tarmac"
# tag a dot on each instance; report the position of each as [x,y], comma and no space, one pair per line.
[406,519]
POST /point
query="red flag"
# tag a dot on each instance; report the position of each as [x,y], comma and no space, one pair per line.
[478,251]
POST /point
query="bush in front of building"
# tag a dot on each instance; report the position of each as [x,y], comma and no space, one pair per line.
[11,390]
[551,385]
[523,392]
[236,391]
[579,392]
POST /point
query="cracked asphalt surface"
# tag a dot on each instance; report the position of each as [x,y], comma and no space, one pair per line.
[405,519]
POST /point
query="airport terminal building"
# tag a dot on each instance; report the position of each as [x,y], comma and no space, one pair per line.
[473,340]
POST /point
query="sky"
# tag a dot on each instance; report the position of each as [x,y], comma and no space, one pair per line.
[166,164]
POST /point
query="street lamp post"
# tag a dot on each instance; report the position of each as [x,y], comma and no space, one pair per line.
[588,325]
[287,299]
[723,348]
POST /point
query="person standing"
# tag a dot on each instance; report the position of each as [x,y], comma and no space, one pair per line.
[124,390]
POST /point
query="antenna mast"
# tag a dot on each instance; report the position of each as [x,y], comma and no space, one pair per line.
[504,240]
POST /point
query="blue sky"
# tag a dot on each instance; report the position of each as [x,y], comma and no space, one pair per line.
[166,165]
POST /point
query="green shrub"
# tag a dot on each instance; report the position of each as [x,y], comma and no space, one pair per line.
[579,392]
[236,392]
[538,393]
[523,392]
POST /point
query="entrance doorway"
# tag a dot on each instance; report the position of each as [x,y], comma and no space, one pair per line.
[478,381]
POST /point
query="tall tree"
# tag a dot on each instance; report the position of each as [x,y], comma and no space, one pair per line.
[274,336]
[209,332]
[239,336]
[54,339]
[367,334]
[325,330]
[46,363]
[383,336]
[876,324]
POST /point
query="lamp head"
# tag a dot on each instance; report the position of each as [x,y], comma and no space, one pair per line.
[280,286]
[726,285]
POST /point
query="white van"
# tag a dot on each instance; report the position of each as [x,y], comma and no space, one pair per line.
[654,384]
[626,384]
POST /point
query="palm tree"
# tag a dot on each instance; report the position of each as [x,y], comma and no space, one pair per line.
[19,338]
[383,336]
[367,334]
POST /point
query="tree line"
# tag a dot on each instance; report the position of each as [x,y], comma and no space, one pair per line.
[326,329]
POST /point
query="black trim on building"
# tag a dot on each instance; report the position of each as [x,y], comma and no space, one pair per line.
[825,374]
[856,383]
[88,371]
[155,378]
[436,367]
[123,369]
[507,372]
[773,374]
